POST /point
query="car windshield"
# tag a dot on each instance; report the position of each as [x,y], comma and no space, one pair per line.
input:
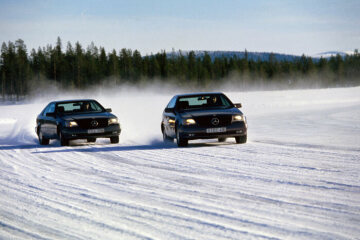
[79,107]
[203,102]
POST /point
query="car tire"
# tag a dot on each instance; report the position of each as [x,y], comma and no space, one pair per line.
[42,139]
[241,139]
[63,140]
[166,139]
[91,140]
[221,139]
[114,139]
[180,141]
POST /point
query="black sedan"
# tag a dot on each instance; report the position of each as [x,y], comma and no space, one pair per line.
[203,116]
[76,119]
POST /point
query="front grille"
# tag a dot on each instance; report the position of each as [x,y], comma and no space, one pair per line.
[86,123]
[205,121]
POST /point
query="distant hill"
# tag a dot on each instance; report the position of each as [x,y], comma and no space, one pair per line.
[259,56]
[331,53]
[256,56]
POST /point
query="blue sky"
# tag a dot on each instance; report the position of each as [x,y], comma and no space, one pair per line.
[292,27]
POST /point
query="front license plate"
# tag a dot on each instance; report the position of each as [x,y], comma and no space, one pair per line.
[216,130]
[97,130]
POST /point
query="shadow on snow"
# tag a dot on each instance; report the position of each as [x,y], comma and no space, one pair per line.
[100,147]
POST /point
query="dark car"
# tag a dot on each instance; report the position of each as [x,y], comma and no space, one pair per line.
[203,116]
[76,119]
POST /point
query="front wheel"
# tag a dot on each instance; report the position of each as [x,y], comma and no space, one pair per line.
[221,139]
[181,142]
[114,139]
[167,139]
[42,139]
[241,139]
[63,140]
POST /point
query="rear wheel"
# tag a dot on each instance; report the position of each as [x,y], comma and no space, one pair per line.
[92,140]
[63,140]
[181,142]
[221,139]
[42,139]
[241,139]
[114,139]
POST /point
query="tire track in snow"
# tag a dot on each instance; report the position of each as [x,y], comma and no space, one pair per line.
[146,168]
[274,187]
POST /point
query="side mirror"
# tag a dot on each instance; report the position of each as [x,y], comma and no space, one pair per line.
[169,110]
[237,105]
[108,110]
[50,114]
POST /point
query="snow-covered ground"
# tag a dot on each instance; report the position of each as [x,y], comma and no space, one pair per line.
[298,177]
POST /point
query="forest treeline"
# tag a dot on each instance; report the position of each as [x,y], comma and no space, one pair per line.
[74,67]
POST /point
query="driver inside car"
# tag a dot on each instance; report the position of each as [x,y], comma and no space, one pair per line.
[213,101]
[86,107]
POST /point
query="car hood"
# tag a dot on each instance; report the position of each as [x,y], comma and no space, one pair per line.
[87,115]
[206,112]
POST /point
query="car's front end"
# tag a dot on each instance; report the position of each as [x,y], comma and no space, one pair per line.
[90,126]
[214,125]
[203,116]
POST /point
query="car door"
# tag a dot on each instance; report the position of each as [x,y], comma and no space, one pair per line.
[41,121]
[169,118]
[49,125]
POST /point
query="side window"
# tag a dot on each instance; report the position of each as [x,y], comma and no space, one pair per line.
[95,107]
[52,108]
[46,110]
[49,109]
[172,103]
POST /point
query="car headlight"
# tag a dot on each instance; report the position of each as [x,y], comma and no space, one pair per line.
[113,121]
[238,118]
[71,124]
[171,121]
[189,121]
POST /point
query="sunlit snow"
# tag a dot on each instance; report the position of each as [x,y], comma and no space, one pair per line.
[296,178]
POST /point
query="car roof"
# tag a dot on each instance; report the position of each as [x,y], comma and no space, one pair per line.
[72,100]
[197,94]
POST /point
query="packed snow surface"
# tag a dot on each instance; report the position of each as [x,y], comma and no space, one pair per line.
[297,177]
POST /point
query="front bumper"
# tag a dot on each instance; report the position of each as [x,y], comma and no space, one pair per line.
[79,133]
[195,132]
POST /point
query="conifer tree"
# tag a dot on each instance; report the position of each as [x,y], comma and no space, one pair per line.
[79,65]
[79,68]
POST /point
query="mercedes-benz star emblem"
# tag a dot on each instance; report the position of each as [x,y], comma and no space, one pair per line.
[215,121]
[94,123]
